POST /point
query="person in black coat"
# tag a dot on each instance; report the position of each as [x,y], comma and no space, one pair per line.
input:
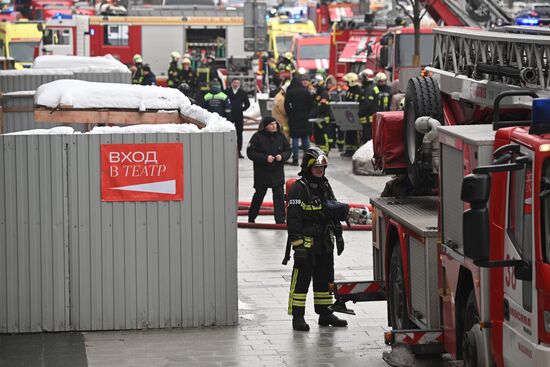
[239,104]
[149,77]
[298,106]
[268,149]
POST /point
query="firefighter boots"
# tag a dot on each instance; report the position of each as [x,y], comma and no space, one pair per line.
[331,319]
[298,323]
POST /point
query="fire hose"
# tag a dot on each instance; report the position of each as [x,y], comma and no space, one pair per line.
[358,214]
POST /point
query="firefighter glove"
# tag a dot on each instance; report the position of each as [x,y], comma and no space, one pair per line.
[300,255]
[339,244]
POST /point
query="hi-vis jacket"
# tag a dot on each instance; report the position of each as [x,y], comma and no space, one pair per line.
[307,223]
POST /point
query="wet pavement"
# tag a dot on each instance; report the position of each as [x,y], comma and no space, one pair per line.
[264,336]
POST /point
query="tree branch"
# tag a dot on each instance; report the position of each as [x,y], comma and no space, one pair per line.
[402,7]
[423,13]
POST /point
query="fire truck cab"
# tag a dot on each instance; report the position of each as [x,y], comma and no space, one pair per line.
[311,52]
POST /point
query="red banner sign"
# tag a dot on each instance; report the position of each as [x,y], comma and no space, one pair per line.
[141,172]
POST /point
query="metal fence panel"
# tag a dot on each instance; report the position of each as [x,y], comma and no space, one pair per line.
[33,274]
[65,255]
[29,82]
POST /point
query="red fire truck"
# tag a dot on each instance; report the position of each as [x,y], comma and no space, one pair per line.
[311,52]
[124,37]
[459,276]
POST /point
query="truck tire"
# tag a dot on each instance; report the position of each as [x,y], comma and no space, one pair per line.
[399,313]
[422,99]
[472,338]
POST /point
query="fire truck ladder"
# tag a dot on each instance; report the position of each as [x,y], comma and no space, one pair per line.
[509,58]
[475,13]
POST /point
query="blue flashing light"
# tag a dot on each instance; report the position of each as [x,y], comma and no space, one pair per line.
[60,16]
[540,116]
[7,10]
[527,21]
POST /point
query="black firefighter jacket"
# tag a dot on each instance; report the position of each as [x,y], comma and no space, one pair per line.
[307,222]
[261,145]
[298,106]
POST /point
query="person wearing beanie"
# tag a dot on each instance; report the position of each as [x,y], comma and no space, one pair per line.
[268,149]
[314,230]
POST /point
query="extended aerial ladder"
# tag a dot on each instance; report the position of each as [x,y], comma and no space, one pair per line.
[471,13]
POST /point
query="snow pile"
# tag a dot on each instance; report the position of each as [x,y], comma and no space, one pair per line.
[80,94]
[36,72]
[99,64]
[60,130]
[146,128]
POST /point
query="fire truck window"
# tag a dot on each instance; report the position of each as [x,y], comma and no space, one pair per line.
[515,209]
[314,52]
[115,35]
[206,42]
[57,37]
[405,49]
[283,44]
[545,217]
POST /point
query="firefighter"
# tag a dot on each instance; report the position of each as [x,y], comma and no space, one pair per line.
[187,76]
[206,74]
[174,70]
[365,114]
[217,101]
[286,66]
[137,72]
[377,99]
[321,113]
[354,94]
[311,234]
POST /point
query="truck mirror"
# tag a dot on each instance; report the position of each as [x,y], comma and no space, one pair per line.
[475,221]
[475,233]
[476,189]
[384,57]
[524,272]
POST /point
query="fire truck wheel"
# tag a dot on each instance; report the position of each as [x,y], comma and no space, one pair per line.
[399,313]
[472,337]
[422,99]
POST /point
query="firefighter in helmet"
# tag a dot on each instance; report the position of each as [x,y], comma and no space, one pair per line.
[174,70]
[286,66]
[187,76]
[321,113]
[377,99]
[312,233]
[354,94]
[365,115]
[137,69]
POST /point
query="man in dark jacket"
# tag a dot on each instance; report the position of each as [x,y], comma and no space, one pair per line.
[239,104]
[268,149]
[312,231]
[298,106]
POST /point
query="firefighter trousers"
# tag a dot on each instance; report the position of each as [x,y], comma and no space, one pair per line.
[321,138]
[367,132]
[320,267]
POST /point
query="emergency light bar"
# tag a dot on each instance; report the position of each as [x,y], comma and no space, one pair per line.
[527,21]
[540,116]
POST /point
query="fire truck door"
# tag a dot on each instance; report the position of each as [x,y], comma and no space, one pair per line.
[519,304]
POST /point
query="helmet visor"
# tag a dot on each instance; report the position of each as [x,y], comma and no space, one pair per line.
[320,161]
